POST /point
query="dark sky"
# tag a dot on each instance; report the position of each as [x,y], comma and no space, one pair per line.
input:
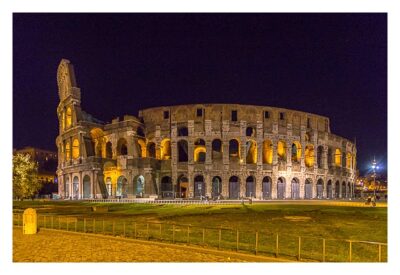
[329,64]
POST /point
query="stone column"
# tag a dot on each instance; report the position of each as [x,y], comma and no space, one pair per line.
[274,186]
[80,196]
[208,184]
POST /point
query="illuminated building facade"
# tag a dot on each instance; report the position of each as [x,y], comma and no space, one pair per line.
[226,151]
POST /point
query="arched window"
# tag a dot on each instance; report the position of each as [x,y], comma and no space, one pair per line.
[338,157]
[75,149]
[166,187]
[140,132]
[182,151]
[250,132]
[250,187]
[68,118]
[348,161]
[309,155]
[199,151]
[166,149]
[151,150]
[216,188]
[216,149]
[87,187]
[67,151]
[281,150]
[319,156]
[141,148]
[251,151]
[183,132]
[330,157]
[267,152]
[122,148]
[296,151]
[234,152]
[108,150]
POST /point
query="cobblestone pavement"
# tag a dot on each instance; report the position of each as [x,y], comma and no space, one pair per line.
[53,246]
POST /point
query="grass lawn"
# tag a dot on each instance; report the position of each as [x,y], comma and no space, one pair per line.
[313,223]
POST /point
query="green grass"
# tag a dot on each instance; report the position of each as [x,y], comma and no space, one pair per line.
[335,224]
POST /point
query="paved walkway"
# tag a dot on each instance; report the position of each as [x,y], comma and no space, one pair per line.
[58,246]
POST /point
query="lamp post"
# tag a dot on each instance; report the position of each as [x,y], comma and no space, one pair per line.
[374,168]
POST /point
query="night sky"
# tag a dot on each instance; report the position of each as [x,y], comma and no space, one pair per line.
[333,65]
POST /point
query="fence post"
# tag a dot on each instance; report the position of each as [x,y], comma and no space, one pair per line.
[188,234]
[350,244]
[113,232]
[124,229]
[59,224]
[148,235]
[299,250]
[379,252]
[237,240]
[323,250]
[173,233]
[84,225]
[256,242]
[277,246]
[219,239]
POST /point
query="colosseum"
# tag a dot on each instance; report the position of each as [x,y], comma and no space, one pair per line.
[215,151]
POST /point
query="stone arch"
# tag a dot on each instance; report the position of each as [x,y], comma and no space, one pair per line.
[67,151]
[87,187]
[182,187]
[308,189]
[337,189]
[122,148]
[234,150]
[67,187]
[309,155]
[166,187]
[139,186]
[234,187]
[250,187]
[199,152]
[75,148]
[281,187]
[320,189]
[344,191]
[97,136]
[109,153]
[296,151]
[199,187]
[122,187]
[182,150]
[266,187]
[348,190]
[250,132]
[295,188]
[151,150]
[348,160]
[216,187]
[109,187]
[281,150]
[216,146]
[166,149]
[267,151]
[320,151]
[141,147]
[338,157]
[251,152]
[75,188]
[329,190]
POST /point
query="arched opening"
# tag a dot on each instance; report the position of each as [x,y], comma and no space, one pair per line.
[199,151]
[87,190]
[251,152]
[109,187]
[337,189]
[330,157]
[122,148]
[234,187]
[308,189]
[68,117]
[348,161]
[67,151]
[97,136]
[66,188]
[295,188]
[140,132]
[320,189]
[309,155]
[75,149]
[329,193]
[250,187]
[166,149]
[121,191]
[183,132]
[281,150]
[199,187]
[267,152]
[266,187]
[296,152]
[216,149]
[281,186]
[250,132]
[141,147]
[75,188]
[348,190]
[216,189]
[166,187]
[139,188]
[182,187]
[151,150]
[234,153]
[320,151]
[338,157]
[109,150]
[182,151]
[344,191]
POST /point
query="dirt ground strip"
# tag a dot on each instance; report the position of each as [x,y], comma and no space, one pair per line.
[53,246]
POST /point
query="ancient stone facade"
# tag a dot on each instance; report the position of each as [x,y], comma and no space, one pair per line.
[225,151]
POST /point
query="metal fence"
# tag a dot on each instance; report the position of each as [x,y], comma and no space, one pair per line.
[297,248]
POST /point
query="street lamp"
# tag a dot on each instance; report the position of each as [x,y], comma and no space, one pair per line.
[374,168]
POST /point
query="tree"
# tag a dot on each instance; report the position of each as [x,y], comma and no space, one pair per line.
[25,177]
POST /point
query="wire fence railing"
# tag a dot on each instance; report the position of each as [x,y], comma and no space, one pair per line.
[272,244]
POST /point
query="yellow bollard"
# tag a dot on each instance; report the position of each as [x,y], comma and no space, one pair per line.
[30,221]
